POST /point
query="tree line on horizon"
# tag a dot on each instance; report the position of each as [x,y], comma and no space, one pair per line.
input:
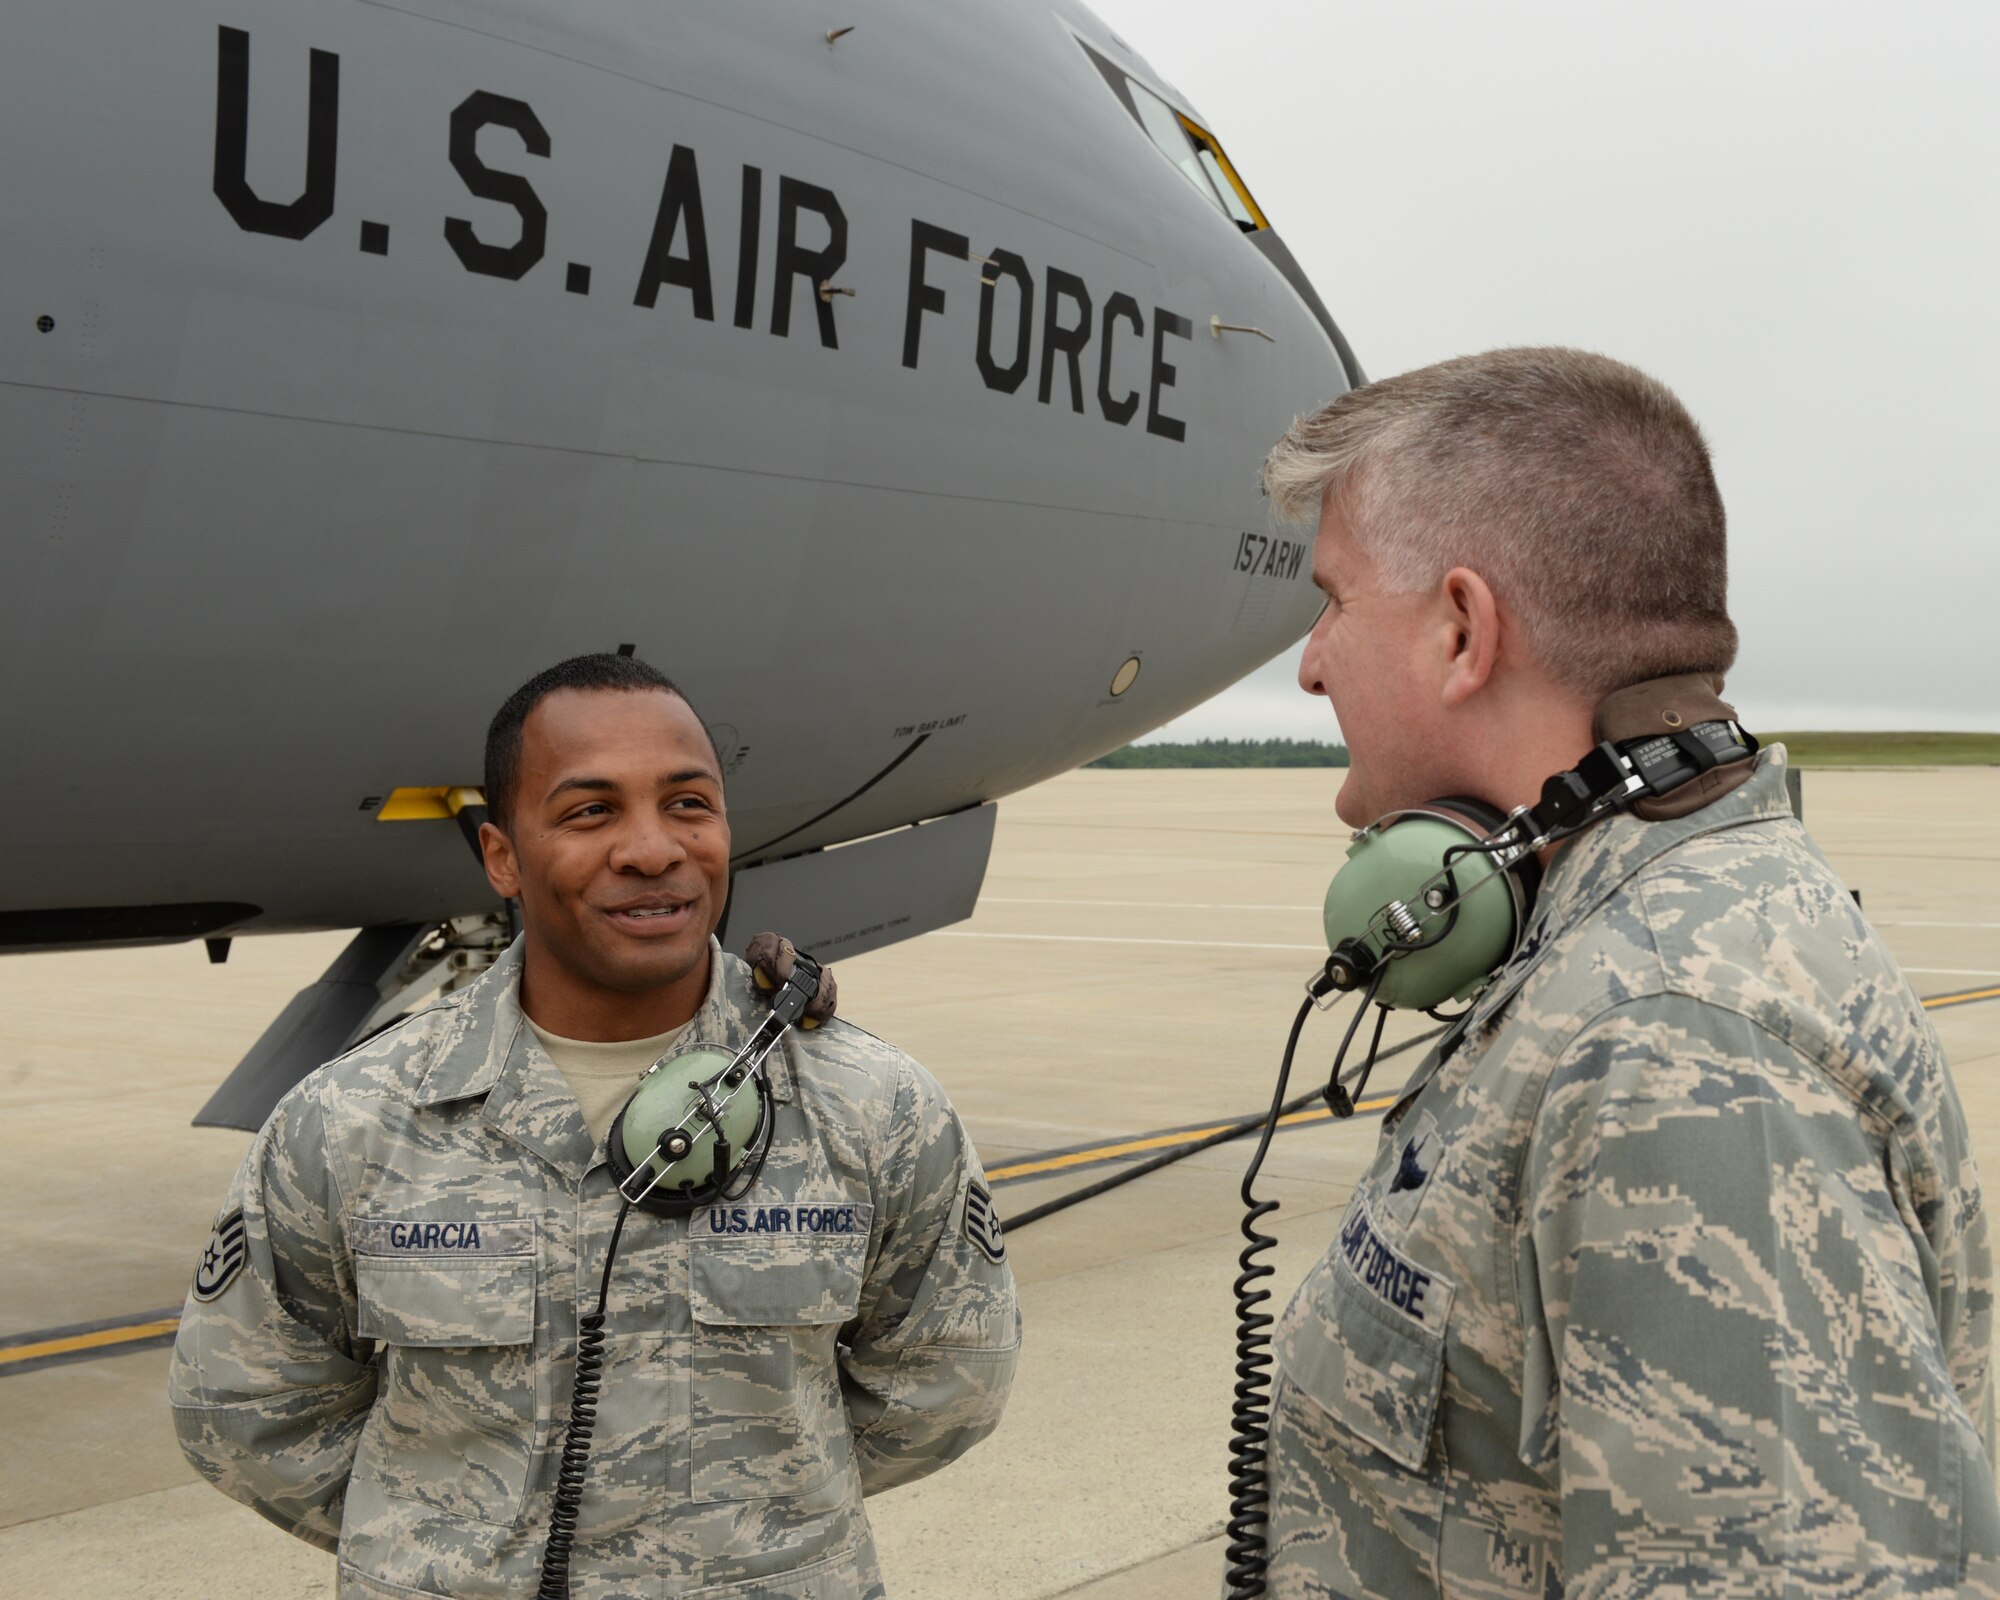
[1837,749]
[1228,753]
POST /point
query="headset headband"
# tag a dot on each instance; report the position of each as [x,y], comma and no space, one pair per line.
[1616,775]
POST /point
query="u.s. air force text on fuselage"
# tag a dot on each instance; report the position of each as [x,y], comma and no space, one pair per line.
[1130,339]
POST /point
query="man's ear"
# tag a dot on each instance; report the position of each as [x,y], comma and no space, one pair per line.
[496,850]
[1472,616]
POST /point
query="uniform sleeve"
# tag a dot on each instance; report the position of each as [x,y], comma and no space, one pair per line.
[928,1360]
[1734,1362]
[268,1385]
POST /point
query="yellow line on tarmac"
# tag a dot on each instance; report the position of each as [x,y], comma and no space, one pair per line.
[1164,1141]
[1939,1000]
[1160,1141]
[88,1341]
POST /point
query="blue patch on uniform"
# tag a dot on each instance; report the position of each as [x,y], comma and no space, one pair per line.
[1410,1171]
[228,1248]
[982,1224]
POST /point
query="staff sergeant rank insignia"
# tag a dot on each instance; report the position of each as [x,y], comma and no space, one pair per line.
[223,1259]
[982,1224]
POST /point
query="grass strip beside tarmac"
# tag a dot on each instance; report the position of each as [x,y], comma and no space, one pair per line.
[1888,749]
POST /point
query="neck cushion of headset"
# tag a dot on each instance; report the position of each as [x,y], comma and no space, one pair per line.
[1665,706]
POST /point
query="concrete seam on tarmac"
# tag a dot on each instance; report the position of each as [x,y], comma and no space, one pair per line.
[1213,1533]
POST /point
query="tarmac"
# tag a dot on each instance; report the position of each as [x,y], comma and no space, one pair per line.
[1136,958]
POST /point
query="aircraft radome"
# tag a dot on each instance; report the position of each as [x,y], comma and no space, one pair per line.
[896,380]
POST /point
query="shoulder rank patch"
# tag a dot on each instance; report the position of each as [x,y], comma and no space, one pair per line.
[223,1258]
[982,1224]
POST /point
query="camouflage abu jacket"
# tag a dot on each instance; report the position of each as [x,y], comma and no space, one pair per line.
[1671,1278]
[379,1350]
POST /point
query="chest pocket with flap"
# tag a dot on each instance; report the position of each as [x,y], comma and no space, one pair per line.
[764,1397]
[459,1408]
[1360,1354]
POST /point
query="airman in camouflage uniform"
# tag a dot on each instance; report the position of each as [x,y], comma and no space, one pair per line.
[423,1220]
[1671,1275]
[381,1347]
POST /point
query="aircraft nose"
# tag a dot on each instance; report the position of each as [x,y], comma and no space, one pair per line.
[1278,253]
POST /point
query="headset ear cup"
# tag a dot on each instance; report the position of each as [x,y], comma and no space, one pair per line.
[680,1200]
[1485,818]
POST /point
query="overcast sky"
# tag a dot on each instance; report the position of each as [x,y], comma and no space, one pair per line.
[1786,211]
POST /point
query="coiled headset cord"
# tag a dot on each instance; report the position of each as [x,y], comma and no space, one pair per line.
[582,1423]
[1248,1553]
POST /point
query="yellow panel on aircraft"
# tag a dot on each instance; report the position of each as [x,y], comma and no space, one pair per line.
[428,805]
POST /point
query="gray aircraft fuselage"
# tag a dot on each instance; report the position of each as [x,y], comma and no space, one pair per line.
[361,359]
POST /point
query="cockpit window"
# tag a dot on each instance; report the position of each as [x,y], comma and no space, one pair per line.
[1186,143]
[1236,198]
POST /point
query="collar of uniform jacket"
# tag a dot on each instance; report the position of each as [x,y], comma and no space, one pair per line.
[1589,869]
[490,1050]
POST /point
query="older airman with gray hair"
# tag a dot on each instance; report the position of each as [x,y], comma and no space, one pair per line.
[1693,1282]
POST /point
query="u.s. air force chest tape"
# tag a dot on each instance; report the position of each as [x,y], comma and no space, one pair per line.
[767,1266]
[1388,1277]
[805,1220]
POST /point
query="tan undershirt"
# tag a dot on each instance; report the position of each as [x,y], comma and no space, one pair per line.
[603,1074]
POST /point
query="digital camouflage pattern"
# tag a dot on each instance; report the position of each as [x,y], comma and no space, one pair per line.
[390,1373]
[1671,1278]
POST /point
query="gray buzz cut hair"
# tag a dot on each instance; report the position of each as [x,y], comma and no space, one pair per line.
[1579,488]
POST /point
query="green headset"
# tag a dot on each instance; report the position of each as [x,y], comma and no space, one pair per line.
[1407,908]
[1434,899]
[698,1127]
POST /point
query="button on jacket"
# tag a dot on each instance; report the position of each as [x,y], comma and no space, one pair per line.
[1670,1277]
[421,1223]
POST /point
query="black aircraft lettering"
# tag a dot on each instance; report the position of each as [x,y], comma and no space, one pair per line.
[1164,373]
[815,266]
[1008,378]
[680,201]
[1118,411]
[746,246]
[281,219]
[924,238]
[1069,342]
[478,110]
[677,254]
